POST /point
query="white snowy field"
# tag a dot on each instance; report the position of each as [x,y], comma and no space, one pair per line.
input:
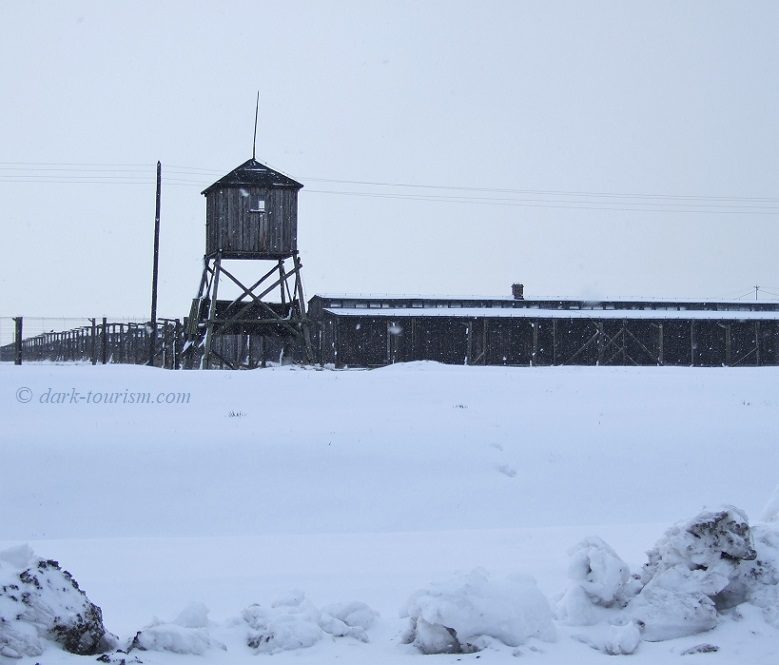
[371,485]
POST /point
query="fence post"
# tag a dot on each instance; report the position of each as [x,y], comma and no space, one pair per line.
[18,340]
[93,345]
[177,346]
[104,341]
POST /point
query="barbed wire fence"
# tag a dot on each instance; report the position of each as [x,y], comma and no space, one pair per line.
[7,329]
[95,340]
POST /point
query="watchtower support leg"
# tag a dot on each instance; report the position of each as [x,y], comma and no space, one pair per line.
[209,340]
[302,307]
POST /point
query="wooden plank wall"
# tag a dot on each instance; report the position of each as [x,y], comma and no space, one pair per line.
[373,341]
[233,229]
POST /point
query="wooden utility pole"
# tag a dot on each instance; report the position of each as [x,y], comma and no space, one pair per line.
[153,332]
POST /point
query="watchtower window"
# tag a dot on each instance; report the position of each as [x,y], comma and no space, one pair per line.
[259,206]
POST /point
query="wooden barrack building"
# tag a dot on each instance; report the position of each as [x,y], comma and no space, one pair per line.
[372,332]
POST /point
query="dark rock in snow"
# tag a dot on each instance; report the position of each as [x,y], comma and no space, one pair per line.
[700,648]
[38,599]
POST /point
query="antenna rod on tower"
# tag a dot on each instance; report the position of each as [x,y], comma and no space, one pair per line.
[256,115]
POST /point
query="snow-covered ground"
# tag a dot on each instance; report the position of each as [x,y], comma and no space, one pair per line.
[350,505]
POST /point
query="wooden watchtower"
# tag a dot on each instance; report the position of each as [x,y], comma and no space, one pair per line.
[251,216]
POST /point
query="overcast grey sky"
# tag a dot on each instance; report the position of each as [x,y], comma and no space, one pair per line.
[536,109]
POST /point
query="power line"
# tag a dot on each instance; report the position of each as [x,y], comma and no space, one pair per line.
[140,174]
[744,295]
[550,192]
[604,206]
[622,206]
[193,170]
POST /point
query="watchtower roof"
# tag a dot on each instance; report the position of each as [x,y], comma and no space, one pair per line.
[253,174]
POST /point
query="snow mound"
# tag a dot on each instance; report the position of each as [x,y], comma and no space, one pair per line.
[290,623]
[697,568]
[194,615]
[347,620]
[614,640]
[665,613]
[622,639]
[39,601]
[759,581]
[293,622]
[187,634]
[599,578]
[463,613]
[712,543]
[174,638]
[771,511]
[17,638]
[19,557]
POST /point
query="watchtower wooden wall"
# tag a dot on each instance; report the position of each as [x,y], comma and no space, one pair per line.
[245,222]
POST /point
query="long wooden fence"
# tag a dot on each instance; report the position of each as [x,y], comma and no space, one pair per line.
[102,341]
[98,341]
